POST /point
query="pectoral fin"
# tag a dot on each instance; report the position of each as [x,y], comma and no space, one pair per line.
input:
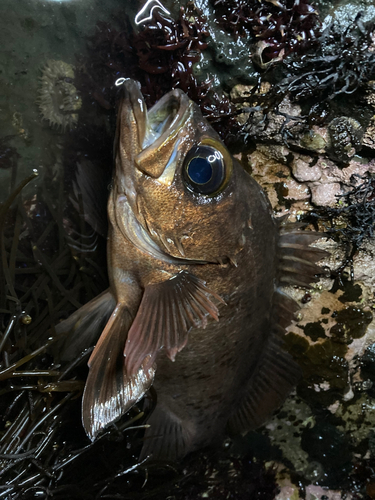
[109,390]
[167,311]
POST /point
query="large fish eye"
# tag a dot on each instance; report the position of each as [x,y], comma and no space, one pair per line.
[204,170]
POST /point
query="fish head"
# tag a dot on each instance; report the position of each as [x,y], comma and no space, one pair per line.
[186,192]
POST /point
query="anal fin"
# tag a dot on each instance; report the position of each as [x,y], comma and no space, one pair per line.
[270,385]
[109,390]
[168,437]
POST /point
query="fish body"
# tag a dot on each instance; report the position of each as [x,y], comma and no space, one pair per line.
[195,263]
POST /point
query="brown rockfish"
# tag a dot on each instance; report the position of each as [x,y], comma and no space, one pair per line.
[195,262]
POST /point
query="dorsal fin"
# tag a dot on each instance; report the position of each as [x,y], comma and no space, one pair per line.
[277,373]
[275,377]
[297,260]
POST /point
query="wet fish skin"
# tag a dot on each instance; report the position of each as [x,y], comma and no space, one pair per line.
[177,262]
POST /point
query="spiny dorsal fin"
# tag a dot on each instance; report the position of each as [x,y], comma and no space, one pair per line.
[275,377]
[84,327]
[109,390]
[166,313]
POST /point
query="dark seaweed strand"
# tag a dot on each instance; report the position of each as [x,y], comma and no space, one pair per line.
[284,26]
[352,222]
[340,63]
[42,281]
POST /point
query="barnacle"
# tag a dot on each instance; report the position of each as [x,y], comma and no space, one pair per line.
[58,98]
[345,137]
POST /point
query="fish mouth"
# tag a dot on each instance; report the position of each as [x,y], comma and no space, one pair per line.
[159,148]
[166,118]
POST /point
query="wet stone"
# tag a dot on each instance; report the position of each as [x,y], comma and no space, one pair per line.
[328,446]
[351,323]
[324,368]
[315,331]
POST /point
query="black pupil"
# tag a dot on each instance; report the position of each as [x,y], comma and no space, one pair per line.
[204,170]
[200,170]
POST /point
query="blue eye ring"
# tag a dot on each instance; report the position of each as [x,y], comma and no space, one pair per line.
[204,170]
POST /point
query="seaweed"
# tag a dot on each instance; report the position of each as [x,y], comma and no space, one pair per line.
[161,56]
[341,62]
[283,26]
[42,279]
[352,221]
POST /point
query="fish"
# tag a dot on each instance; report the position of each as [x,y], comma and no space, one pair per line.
[195,307]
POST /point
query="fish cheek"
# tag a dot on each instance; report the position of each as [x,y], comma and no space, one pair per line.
[191,226]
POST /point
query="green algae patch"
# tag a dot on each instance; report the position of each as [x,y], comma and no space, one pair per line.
[324,368]
[358,418]
[285,429]
[351,323]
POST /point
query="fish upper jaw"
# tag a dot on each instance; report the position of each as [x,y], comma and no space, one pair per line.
[146,140]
